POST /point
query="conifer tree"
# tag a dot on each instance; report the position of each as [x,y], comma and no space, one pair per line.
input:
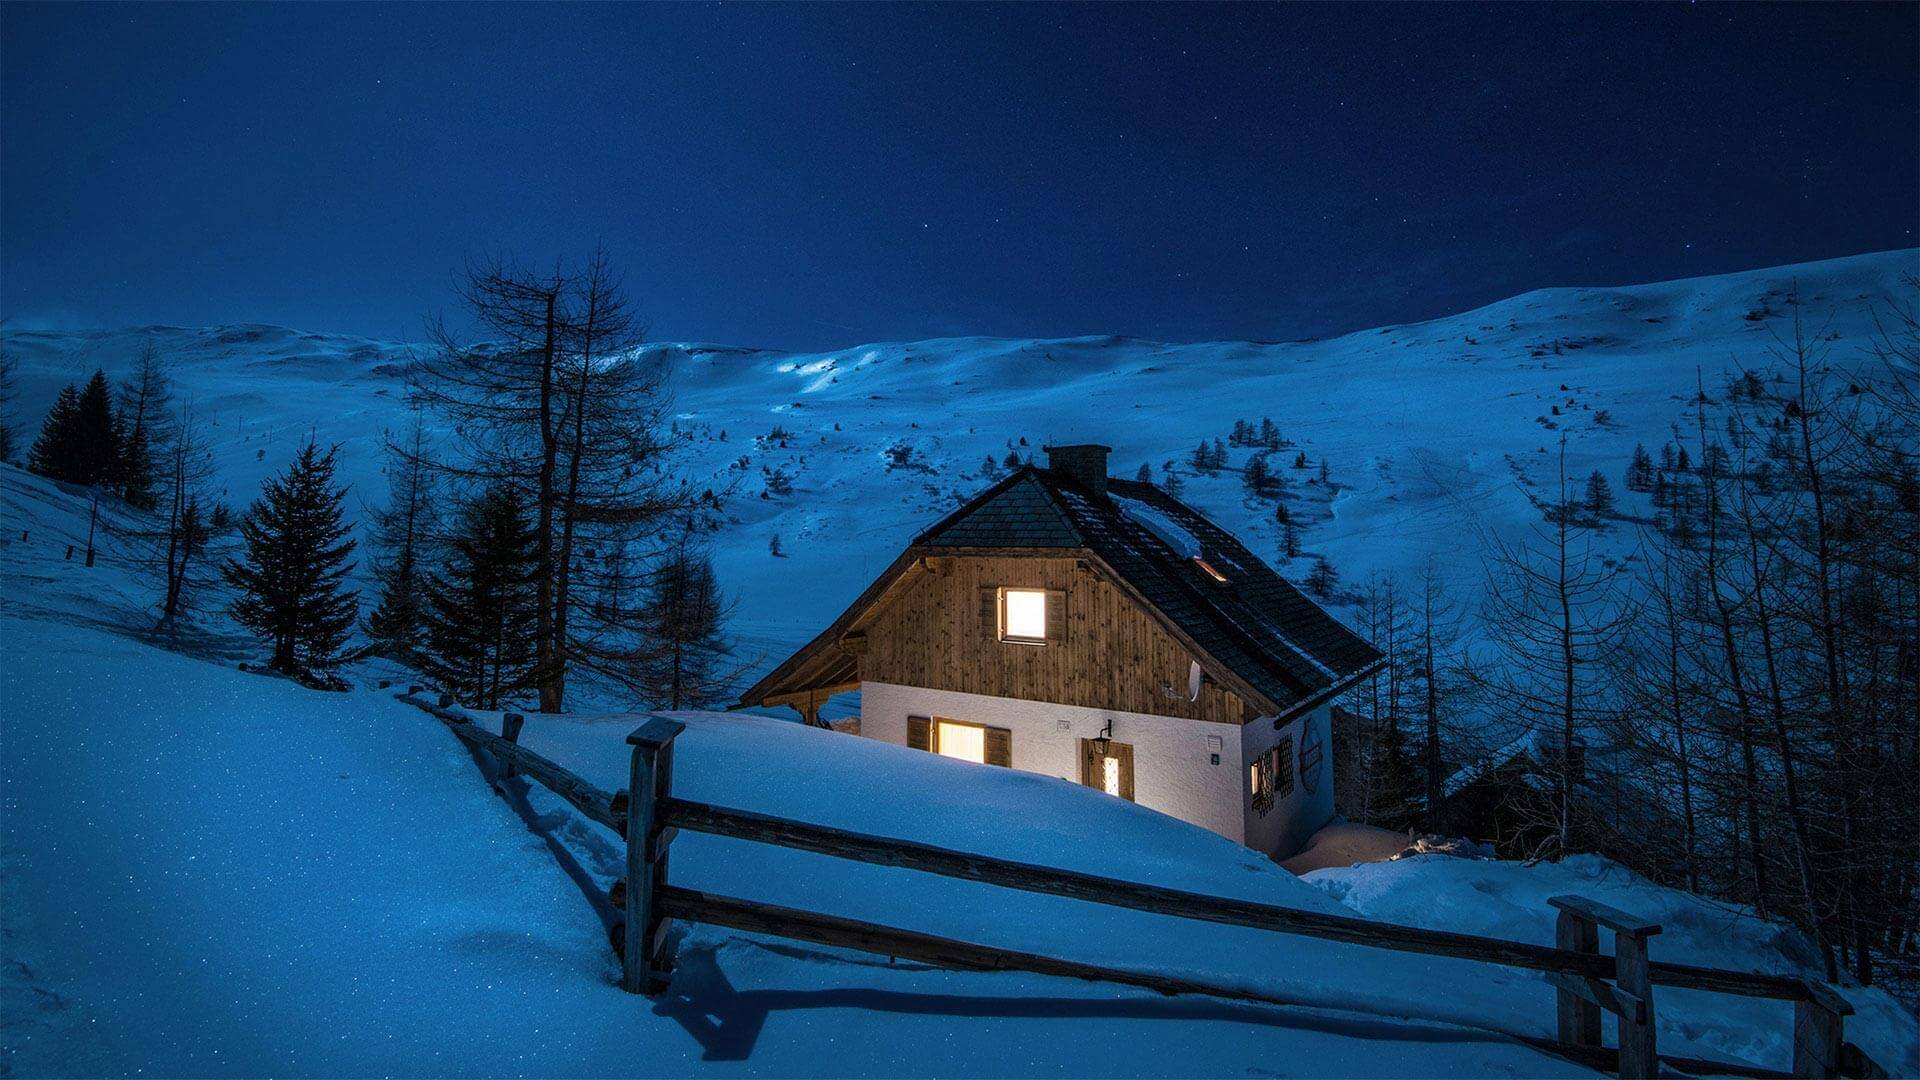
[1322,578]
[6,407]
[1258,477]
[1640,469]
[145,396]
[1170,481]
[80,441]
[401,536]
[53,448]
[1269,433]
[1145,475]
[990,468]
[1290,538]
[681,667]
[1012,460]
[1599,498]
[292,579]
[480,609]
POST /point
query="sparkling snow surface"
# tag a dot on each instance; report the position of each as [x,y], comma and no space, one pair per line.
[207,872]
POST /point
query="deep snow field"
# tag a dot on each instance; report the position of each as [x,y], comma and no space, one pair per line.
[1436,433]
[209,872]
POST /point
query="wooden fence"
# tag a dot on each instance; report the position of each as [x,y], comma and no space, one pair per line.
[1585,981]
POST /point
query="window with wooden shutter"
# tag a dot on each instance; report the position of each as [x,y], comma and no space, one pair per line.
[1000,747]
[1028,616]
[1263,782]
[966,741]
[919,733]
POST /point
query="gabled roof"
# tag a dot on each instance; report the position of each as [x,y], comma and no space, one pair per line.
[1254,632]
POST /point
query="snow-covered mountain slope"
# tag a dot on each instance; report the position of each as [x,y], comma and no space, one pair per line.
[207,872]
[1434,432]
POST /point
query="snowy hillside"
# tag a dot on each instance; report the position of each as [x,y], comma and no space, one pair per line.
[1432,432]
[208,872]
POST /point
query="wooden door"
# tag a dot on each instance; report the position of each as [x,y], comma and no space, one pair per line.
[1111,772]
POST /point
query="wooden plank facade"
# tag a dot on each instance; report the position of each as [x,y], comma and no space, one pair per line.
[937,630]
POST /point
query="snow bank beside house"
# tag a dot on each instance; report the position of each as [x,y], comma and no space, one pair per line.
[1509,900]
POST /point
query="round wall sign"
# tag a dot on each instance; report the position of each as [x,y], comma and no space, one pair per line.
[1311,753]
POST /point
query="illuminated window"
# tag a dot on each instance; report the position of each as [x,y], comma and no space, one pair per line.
[1270,776]
[1110,775]
[1023,615]
[968,742]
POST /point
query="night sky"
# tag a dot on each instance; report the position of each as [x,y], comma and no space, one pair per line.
[809,177]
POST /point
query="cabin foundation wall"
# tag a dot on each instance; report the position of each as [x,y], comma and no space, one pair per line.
[1174,768]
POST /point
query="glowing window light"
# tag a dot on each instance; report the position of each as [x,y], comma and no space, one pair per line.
[963,741]
[1111,775]
[1026,614]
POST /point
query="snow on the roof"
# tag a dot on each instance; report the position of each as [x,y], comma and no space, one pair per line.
[1156,521]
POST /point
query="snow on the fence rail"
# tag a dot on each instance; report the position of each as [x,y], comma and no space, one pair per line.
[781,768]
[1509,899]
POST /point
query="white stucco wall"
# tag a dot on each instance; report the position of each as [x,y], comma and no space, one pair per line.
[1173,769]
[1284,829]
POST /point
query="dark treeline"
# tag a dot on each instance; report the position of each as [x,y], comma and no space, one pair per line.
[1734,708]
[132,445]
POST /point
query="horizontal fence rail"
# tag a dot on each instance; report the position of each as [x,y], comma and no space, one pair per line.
[1585,981]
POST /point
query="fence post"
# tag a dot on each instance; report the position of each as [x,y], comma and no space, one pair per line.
[643,956]
[510,730]
[1639,1057]
[1818,1031]
[1579,1018]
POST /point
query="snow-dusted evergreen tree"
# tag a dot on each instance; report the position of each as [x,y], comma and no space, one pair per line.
[684,665]
[1145,475]
[403,534]
[481,606]
[292,575]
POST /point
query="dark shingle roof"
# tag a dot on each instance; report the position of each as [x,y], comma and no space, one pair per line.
[1255,624]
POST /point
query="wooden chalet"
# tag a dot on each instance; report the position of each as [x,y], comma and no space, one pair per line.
[1102,631]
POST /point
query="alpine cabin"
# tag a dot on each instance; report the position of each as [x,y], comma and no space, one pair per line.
[1101,631]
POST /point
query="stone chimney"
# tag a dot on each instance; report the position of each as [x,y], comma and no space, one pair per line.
[1083,465]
